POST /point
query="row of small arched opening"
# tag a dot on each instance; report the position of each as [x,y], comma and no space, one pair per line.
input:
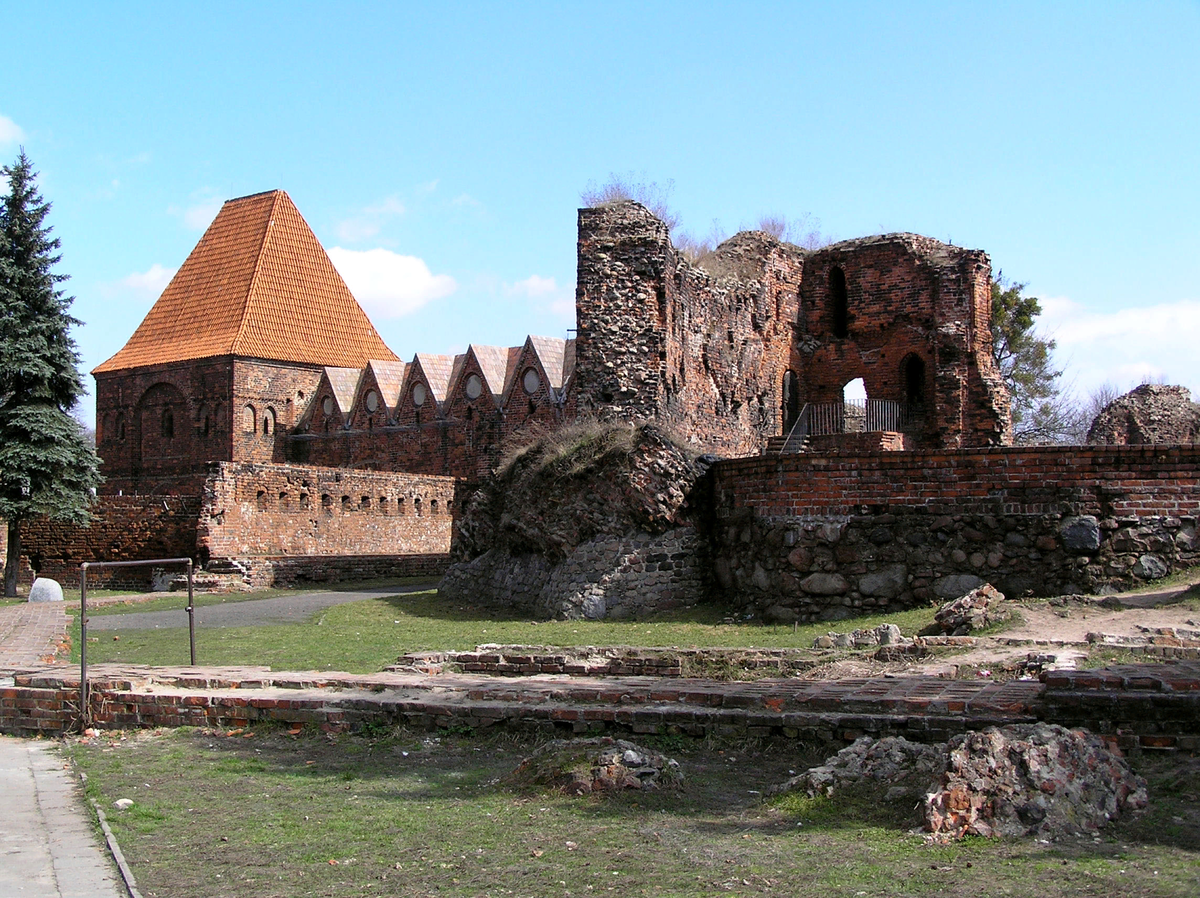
[382,506]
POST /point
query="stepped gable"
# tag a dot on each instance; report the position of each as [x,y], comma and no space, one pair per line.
[257,285]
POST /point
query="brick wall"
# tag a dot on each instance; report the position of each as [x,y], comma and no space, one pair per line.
[123,528]
[291,510]
[814,537]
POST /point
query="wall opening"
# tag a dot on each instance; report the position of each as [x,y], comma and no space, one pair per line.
[912,369]
[839,303]
[791,400]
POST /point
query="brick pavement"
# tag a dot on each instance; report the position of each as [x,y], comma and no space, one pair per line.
[32,633]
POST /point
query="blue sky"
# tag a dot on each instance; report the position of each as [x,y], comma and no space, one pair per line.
[439,150]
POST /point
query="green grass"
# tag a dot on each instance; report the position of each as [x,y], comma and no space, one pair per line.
[365,636]
[416,814]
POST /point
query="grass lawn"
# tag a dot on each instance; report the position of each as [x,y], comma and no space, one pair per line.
[264,813]
[365,636]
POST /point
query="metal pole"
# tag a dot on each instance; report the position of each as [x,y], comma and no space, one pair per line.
[84,710]
[191,610]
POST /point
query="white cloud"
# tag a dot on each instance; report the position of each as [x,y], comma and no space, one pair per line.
[10,131]
[465,199]
[367,223]
[534,286]
[546,294]
[388,284]
[151,282]
[199,214]
[1124,347]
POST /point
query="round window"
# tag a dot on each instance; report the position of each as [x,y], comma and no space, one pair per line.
[372,401]
[474,387]
[531,381]
[327,405]
[418,395]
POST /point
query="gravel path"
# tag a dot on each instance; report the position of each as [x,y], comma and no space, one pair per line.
[278,610]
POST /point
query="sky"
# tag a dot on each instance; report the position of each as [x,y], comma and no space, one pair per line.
[439,151]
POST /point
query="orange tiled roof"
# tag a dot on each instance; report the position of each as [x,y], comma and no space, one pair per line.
[257,285]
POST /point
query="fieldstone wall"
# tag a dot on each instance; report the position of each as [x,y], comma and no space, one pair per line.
[818,538]
[625,576]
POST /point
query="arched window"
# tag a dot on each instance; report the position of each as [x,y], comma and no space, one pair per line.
[121,427]
[168,424]
[269,422]
[433,506]
[261,500]
[249,419]
[839,303]
[912,369]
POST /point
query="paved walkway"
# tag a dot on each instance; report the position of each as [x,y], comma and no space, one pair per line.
[31,632]
[48,848]
[276,610]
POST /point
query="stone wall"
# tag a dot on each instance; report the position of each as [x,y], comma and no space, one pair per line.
[823,537]
[292,510]
[628,576]
[701,348]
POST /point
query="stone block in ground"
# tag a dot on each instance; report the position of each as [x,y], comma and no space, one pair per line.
[45,590]
[601,765]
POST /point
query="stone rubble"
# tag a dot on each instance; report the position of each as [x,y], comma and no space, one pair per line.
[976,610]
[601,765]
[1039,780]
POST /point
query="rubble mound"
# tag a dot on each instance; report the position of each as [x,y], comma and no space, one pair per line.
[1023,780]
[976,610]
[1031,780]
[902,770]
[594,520]
[601,765]
[1151,413]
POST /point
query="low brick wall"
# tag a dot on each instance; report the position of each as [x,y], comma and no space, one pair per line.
[1135,706]
[286,572]
[297,510]
[807,537]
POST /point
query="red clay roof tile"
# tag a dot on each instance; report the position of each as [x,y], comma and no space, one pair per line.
[257,285]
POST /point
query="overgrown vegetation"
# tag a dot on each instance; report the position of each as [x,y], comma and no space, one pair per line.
[263,812]
[570,450]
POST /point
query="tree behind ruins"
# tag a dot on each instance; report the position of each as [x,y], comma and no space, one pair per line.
[46,466]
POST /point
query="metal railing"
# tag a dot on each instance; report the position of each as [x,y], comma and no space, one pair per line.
[858,417]
[84,706]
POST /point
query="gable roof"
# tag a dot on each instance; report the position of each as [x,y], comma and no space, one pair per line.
[257,285]
[344,384]
[494,363]
[390,377]
[438,370]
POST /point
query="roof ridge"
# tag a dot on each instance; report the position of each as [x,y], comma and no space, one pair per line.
[258,263]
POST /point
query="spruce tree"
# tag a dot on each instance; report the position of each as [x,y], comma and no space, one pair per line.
[46,465]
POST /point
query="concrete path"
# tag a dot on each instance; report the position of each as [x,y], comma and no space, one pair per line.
[277,610]
[48,848]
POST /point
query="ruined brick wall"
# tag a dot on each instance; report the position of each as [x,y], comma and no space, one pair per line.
[911,317]
[123,528]
[805,536]
[1150,413]
[703,349]
[292,510]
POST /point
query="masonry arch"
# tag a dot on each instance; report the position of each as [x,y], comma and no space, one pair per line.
[159,447]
